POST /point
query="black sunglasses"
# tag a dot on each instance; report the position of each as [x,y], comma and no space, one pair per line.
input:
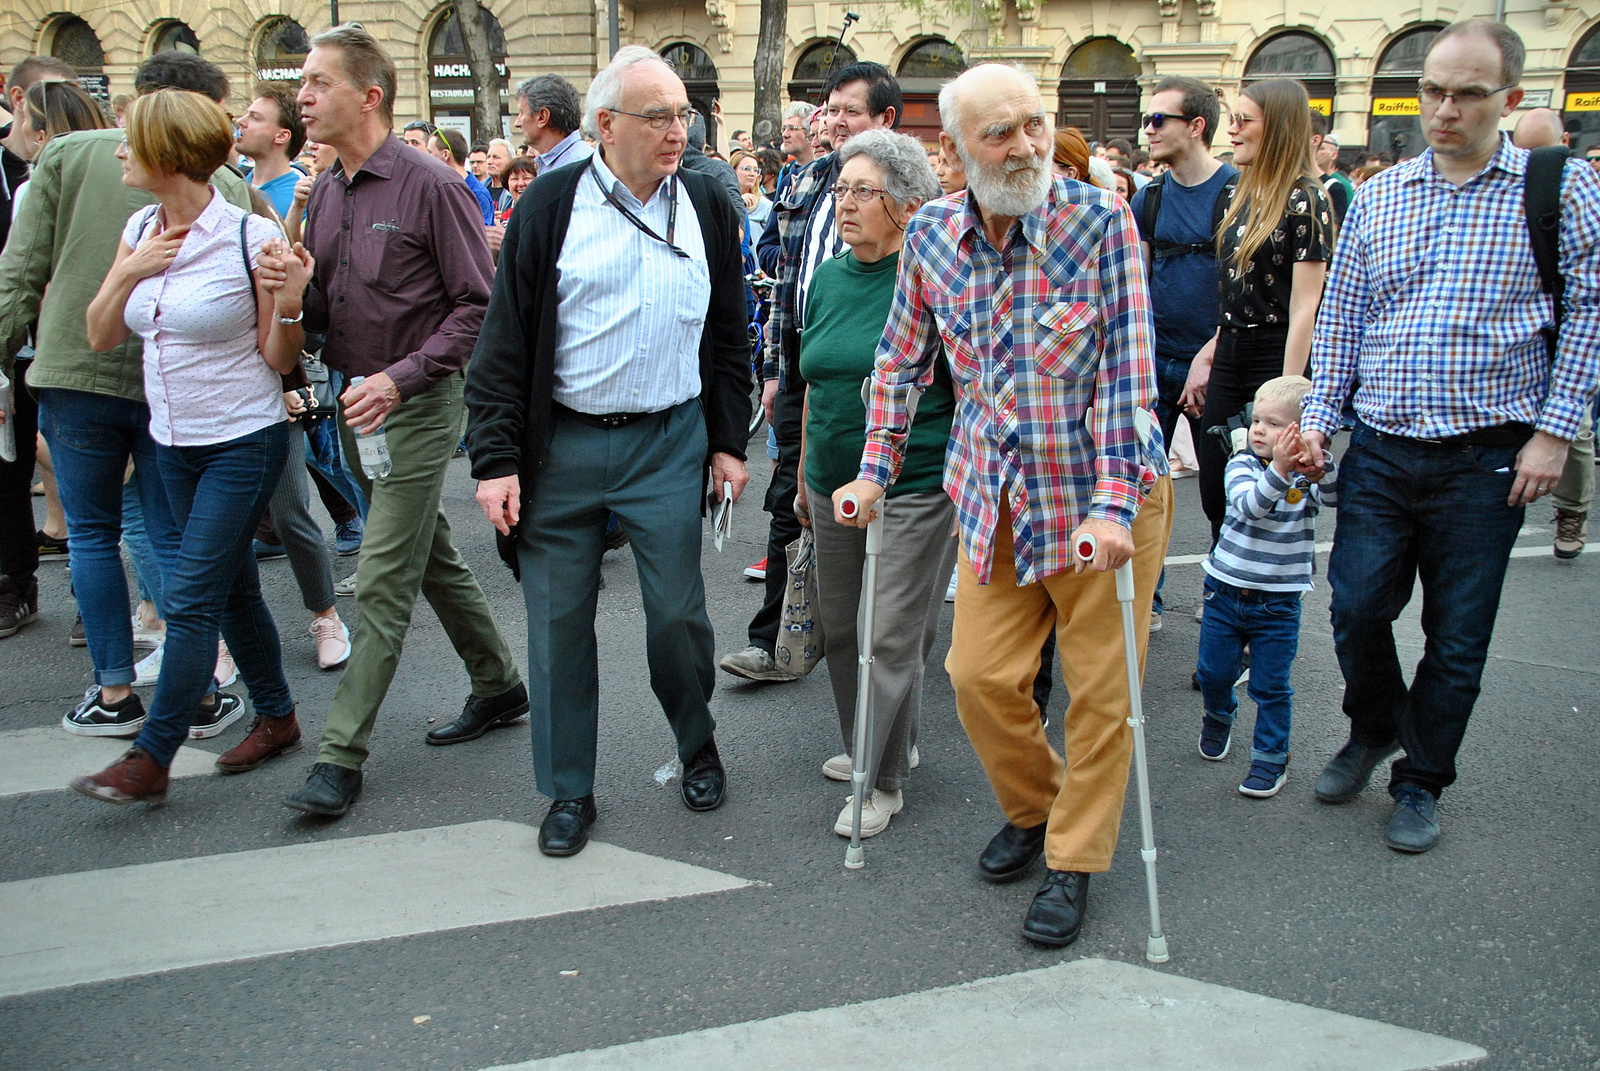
[1159,119]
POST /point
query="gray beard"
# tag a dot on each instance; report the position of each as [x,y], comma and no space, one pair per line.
[1013,194]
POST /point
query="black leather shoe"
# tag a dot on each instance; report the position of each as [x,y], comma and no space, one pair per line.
[565,830]
[329,791]
[478,716]
[1056,914]
[703,779]
[1011,852]
[1348,772]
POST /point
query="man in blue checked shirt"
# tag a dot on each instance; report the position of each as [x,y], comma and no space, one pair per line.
[1433,313]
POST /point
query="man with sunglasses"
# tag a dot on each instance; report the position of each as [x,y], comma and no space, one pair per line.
[1435,315]
[1180,249]
[612,372]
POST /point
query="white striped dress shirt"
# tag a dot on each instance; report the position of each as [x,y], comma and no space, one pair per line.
[631,311]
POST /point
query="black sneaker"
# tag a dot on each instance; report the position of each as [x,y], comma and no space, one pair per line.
[19,604]
[95,717]
[225,709]
[50,547]
[1215,738]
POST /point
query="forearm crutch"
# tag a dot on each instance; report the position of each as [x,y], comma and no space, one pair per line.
[1085,547]
[850,506]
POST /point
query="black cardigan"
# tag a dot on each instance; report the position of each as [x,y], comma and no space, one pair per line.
[512,375]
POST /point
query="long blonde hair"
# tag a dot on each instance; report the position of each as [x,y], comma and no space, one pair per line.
[1282,163]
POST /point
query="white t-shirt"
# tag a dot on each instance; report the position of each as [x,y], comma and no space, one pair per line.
[204,375]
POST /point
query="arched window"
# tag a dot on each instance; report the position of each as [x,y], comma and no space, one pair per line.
[174,36]
[933,58]
[811,70]
[281,51]
[925,67]
[1580,107]
[1100,90]
[450,78]
[1394,126]
[75,42]
[699,76]
[1299,55]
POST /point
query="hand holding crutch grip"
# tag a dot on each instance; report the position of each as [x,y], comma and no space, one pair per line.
[1084,546]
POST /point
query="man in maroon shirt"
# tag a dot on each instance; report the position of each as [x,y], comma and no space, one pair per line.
[401,283]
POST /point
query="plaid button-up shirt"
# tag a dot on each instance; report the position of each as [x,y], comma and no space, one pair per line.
[806,185]
[1434,305]
[1035,333]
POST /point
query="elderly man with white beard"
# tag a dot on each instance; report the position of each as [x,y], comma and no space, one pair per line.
[1035,289]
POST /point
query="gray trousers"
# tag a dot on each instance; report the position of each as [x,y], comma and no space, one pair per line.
[299,531]
[1575,490]
[649,474]
[914,567]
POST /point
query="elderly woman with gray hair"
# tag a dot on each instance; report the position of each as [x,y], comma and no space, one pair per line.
[884,179]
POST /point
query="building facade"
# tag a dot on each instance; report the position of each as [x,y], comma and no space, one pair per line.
[1096,59]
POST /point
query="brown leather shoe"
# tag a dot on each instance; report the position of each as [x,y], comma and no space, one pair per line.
[134,778]
[267,739]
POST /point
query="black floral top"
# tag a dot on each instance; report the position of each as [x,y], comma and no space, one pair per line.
[1259,295]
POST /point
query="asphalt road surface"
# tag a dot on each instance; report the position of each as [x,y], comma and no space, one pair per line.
[453,945]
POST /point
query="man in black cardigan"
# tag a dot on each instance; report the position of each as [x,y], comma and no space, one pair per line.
[613,370]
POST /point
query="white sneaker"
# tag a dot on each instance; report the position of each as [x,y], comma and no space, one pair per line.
[950,592]
[1155,622]
[875,813]
[839,768]
[226,672]
[148,668]
[332,639]
[147,639]
[346,587]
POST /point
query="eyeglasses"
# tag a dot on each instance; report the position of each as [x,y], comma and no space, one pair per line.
[862,194]
[661,120]
[1429,93]
[1235,119]
[1160,119]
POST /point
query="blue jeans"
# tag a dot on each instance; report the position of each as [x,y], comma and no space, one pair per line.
[1410,509]
[1269,621]
[1171,375]
[136,540]
[218,493]
[91,438]
[331,460]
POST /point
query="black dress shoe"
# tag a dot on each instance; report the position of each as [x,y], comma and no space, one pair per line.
[1011,852]
[703,779]
[329,791]
[478,716]
[565,830]
[1056,914]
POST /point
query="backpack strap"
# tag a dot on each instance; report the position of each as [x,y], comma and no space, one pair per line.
[1152,207]
[1541,201]
[244,249]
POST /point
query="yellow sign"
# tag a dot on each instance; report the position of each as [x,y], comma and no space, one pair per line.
[1583,102]
[1396,106]
[1323,105]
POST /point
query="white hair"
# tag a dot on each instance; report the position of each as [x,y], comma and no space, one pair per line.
[798,109]
[901,158]
[950,115]
[502,142]
[1105,176]
[606,89]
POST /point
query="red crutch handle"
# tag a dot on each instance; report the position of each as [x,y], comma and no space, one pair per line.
[849,506]
[1084,547]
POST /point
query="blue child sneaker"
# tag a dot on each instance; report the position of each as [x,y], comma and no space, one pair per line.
[1214,738]
[1264,779]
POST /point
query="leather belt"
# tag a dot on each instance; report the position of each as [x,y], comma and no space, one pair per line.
[604,421]
[1509,434]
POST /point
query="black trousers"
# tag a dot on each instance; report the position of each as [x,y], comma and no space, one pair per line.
[788,411]
[19,540]
[1245,359]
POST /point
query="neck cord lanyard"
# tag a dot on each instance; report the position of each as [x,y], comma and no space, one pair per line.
[672,211]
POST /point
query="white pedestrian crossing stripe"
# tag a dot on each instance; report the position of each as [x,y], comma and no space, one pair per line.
[1090,1015]
[42,760]
[333,892]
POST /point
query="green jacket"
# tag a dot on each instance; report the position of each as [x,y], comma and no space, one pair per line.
[60,249]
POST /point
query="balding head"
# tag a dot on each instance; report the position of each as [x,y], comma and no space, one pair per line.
[1538,128]
[996,123]
[987,82]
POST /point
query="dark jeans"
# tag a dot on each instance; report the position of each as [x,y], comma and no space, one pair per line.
[91,438]
[1171,375]
[217,493]
[1245,359]
[1410,509]
[19,540]
[787,413]
[1269,622]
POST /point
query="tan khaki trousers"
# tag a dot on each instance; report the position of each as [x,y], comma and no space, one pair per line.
[994,657]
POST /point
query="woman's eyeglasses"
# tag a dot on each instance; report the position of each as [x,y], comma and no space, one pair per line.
[862,194]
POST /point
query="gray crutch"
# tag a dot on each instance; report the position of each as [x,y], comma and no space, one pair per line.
[1156,948]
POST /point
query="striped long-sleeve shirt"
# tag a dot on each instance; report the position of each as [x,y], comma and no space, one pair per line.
[1270,532]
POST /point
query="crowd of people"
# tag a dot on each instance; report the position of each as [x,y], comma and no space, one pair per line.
[989,345]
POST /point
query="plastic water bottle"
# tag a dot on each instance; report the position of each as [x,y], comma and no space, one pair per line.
[373,446]
[8,430]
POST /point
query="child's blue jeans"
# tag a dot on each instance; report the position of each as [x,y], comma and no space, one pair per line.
[1269,621]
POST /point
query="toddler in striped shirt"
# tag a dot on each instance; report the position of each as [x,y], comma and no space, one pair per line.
[1255,575]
